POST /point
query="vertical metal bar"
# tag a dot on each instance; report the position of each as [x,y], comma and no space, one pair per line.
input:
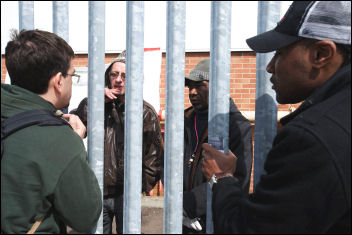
[134,117]
[96,84]
[60,24]
[265,104]
[220,59]
[26,15]
[174,121]
[61,19]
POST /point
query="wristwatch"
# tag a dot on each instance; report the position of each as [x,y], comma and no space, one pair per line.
[215,177]
[212,181]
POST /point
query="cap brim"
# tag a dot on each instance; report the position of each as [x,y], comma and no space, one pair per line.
[270,41]
[186,81]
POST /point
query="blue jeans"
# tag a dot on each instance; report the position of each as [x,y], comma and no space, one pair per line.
[113,206]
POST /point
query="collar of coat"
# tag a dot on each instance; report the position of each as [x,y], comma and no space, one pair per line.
[333,85]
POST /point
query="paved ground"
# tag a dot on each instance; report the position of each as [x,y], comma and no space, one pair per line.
[152,216]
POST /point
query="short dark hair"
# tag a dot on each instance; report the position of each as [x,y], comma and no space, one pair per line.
[345,51]
[34,56]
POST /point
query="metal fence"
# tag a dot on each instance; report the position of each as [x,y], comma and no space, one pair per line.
[220,57]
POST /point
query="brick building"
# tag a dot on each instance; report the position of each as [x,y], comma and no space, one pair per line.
[242,76]
[242,82]
[243,25]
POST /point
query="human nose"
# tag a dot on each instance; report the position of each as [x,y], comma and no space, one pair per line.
[119,78]
[193,91]
[270,67]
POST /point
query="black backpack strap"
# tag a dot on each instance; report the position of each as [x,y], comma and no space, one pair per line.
[40,117]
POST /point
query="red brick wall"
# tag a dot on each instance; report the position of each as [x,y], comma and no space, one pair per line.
[242,83]
[242,79]
[3,69]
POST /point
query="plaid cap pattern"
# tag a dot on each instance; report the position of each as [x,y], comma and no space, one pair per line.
[197,75]
[200,72]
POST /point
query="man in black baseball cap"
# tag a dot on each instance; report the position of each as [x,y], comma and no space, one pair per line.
[307,185]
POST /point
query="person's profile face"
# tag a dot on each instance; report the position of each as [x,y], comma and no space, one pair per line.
[290,68]
[199,94]
[67,86]
[117,76]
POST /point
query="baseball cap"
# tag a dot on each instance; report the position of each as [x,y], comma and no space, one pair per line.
[200,72]
[322,20]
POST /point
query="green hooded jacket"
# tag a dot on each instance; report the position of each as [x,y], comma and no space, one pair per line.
[44,172]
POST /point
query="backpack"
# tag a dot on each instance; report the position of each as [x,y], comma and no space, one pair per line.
[40,117]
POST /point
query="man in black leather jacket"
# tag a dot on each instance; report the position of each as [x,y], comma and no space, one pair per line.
[196,133]
[307,185]
[114,144]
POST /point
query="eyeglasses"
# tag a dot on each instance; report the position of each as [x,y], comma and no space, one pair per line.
[117,74]
[75,78]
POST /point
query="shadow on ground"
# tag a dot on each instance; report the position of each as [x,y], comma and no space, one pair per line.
[152,216]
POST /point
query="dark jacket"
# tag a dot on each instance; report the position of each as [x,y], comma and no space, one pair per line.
[240,143]
[114,146]
[307,187]
[44,171]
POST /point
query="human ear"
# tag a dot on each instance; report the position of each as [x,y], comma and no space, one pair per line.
[323,54]
[57,82]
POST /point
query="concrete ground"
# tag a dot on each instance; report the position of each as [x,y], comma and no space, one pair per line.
[152,216]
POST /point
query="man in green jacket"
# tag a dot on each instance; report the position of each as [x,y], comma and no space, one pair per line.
[44,170]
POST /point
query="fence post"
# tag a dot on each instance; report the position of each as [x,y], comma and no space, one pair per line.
[133,117]
[174,121]
[61,19]
[96,84]
[220,60]
[26,15]
[60,24]
[265,104]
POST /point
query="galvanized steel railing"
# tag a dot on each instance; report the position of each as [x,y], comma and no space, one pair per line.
[175,83]
[96,84]
[26,15]
[266,107]
[133,117]
[265,102]
[219,87]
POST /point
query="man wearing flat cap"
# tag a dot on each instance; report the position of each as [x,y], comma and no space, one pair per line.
[195,134]
[307,185]
[152,151]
